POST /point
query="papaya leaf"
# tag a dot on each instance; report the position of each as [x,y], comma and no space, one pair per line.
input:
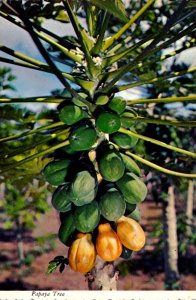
[128,24]
[61,268]
[60,261]
[58,258]
[34,156]
[114,7]
[53,265]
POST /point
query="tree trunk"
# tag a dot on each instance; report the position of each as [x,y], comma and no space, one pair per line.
[170,242]
[103,276]
[19,240]
[189,207]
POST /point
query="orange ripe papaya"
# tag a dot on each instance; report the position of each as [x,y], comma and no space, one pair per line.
[108,245]
[82,254]
[130,233]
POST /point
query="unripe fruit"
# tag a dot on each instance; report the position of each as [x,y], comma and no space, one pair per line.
[108,122]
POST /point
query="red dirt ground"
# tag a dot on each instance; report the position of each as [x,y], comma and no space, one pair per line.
[143,272]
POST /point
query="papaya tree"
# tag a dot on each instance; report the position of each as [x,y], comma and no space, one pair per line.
[189,208]
[98,184]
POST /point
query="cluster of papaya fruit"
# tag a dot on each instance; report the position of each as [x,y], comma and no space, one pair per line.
[98,186]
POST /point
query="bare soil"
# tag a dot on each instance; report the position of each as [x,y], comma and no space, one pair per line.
[145,271]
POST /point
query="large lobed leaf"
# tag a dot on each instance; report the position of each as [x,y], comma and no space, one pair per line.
[114,7]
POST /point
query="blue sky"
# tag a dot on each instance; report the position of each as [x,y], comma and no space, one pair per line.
[34,83]
[29,82]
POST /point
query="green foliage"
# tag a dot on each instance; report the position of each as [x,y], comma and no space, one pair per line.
[58,261]
[6,77]
[185,240]
[115,7]
[25,203]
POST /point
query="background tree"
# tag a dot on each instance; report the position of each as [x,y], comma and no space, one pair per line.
[178,137]
[23,191]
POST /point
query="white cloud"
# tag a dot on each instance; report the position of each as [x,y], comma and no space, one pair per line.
[188,56]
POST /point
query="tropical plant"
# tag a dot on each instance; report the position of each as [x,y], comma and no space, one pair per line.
[22,206]
[23,196]
[94,130]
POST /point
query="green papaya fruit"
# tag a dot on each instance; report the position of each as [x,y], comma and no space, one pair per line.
[63,216]
[135,214]
[82,138]
[67,229]
[70,114]
[111,165]
[87,217]
[123,140]
[117,104]
[83,188]
[112,205]
[126,253]
[55,171]
[131,165]
[61,200]
[130,207]
[102,99]
[68,150]
[128,119]
[132,187]
[108,122]
[82,200]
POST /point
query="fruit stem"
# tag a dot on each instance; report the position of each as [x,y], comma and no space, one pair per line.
[159,168]
[163,100]
[157,142]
